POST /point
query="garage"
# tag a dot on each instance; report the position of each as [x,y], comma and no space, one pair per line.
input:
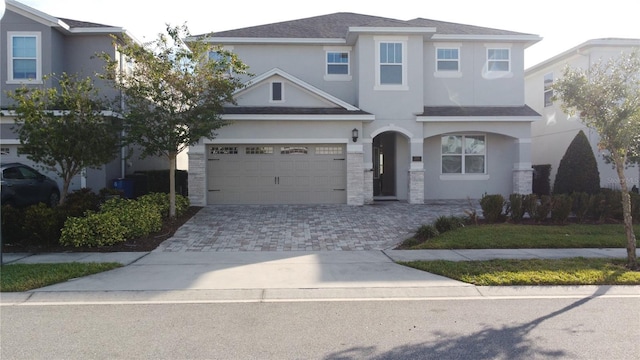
[276,174]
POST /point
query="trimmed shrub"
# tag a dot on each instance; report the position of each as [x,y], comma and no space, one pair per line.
[12,224]
[162,201]
[580,205]
[447,223]
[138,218]
[516,208]
[538,208]
[42,224]
[95,229]
[81,201]
[426,232]
[578,169]
[492,206]
[561,208]
[541,179]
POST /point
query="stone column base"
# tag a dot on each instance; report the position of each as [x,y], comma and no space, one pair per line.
[197,179]
[355,178]
[523,181]
[416,186]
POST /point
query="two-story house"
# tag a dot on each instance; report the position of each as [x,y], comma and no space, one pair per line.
[348,108]
[552,135]
[35,44]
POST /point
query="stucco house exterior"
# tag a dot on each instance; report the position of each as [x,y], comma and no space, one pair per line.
[35,44]
[350,108]
[552,135]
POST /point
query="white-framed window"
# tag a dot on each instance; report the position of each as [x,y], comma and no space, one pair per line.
[548,91]
[5,151]
[391,69]
[337,63]
[499,59]
[448,59]
[277,91]
[24,57]
[464,154]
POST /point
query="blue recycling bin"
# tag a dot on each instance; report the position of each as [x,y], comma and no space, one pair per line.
[125,185]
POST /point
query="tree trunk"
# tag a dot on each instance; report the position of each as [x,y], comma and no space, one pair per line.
[172,184]
[632,260]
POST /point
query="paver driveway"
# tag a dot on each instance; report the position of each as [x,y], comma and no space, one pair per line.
[306,227]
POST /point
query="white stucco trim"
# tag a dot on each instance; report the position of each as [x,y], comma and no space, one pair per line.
[392,127]
[9,141]
[355,148]
[277,141]
[241,40]
[523,141]
[522,166]
[276,117]
[465,177]
[477,118]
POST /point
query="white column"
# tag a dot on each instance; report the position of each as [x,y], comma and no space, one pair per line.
[522,170]
[355,174]
[197,175]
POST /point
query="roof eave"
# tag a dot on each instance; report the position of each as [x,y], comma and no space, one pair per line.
[527,39]
[255,40]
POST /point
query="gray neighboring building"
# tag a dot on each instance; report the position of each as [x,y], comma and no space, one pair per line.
[552,135]
[350,108]
[38,44]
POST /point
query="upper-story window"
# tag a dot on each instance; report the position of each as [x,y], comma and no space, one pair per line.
[499,59]
[24,57]
[277,92]
[337,63]
[548,90]
[447,59]
[390,63]
[391,69]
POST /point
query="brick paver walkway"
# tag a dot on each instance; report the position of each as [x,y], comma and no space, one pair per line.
[306,227]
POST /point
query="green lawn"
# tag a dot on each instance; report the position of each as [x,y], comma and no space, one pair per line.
[510,236]
[574,271]
[23,277]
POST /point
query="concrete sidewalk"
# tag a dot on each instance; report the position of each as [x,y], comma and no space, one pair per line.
[286,276]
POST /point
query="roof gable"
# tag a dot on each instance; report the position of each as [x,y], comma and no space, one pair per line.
[305,87]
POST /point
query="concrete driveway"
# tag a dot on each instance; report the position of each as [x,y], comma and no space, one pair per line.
[380,226]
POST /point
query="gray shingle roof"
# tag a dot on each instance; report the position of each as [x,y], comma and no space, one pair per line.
[83,24]
[336,25]
[479,111]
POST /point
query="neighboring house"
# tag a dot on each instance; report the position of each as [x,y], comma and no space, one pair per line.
[38,44]
[551,136]
[349,108]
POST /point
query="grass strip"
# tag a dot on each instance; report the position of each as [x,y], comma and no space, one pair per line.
[570,271]
[513,236]
[23,277]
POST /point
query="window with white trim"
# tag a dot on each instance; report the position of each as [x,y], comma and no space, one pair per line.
[448,59]
[548,90]
[337,63]
[463,154]
[24,57]
[277,92]
[391,67]
[5,151]
[499,59]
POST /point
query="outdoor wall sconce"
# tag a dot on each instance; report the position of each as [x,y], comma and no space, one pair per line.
[354,135]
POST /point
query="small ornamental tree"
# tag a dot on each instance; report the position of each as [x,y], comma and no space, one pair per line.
[65,127]
[607,99]
[173,93]
[578,169]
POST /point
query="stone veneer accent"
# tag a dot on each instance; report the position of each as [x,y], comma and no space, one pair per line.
[523,181]
[355,178]
[416,186]
[368,186]
[197,182]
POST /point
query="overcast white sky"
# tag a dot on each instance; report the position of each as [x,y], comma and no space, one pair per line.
[562,24]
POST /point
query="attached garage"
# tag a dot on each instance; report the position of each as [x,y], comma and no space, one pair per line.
[276,174]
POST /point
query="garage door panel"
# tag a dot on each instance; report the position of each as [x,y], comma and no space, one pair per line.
[278,174]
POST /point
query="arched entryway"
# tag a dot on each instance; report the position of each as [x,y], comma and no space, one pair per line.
[384,165]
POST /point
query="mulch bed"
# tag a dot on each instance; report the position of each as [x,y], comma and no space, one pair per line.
[146,243]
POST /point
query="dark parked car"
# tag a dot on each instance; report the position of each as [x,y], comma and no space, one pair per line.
[24,186]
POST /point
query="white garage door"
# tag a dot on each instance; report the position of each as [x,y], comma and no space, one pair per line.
[276,174]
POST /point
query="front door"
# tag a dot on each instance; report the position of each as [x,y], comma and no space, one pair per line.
[384,165]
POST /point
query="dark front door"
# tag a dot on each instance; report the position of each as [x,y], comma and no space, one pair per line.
[384,166]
